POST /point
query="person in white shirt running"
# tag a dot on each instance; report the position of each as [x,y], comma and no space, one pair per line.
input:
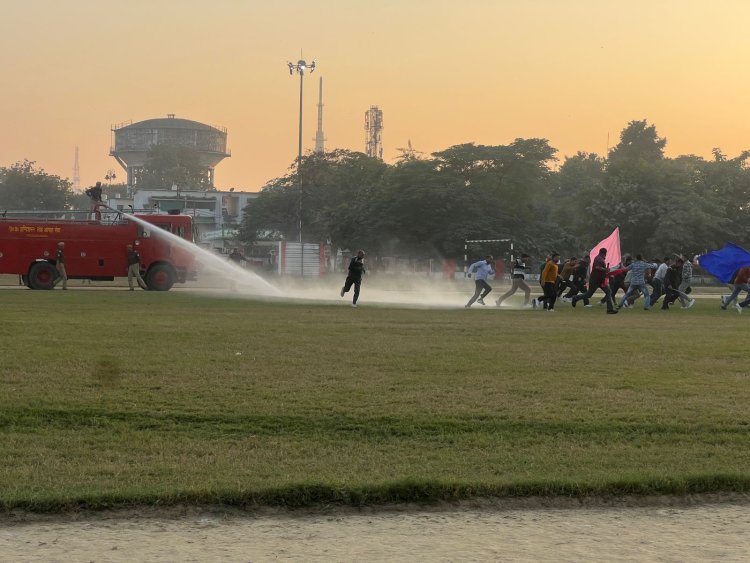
[484,269]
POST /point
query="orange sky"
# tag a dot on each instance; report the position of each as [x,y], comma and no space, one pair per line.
[443,72]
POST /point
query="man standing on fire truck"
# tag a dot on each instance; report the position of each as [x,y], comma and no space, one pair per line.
[60,265]
[134,268]
[95,193]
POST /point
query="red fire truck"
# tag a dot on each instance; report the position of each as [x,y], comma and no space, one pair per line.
[96,249]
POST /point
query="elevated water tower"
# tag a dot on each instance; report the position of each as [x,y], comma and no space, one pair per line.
[131,142]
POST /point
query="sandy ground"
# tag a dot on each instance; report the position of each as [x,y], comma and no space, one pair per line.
[714,528]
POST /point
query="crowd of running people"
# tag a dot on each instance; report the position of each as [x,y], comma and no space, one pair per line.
[577,280]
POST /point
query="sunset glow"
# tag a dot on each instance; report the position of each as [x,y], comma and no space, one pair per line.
[443,73]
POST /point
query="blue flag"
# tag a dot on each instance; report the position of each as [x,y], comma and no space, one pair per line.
[725,262]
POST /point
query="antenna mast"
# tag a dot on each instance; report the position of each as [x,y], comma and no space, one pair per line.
[319,137]
[76,173]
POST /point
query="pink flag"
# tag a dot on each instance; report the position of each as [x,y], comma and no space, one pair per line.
[612,244]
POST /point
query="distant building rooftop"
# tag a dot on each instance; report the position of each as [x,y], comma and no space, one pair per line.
[169,122]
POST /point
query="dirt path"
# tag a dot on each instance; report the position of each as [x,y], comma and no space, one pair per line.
[696,529]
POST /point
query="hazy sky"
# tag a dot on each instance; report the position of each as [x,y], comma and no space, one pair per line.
[443,72]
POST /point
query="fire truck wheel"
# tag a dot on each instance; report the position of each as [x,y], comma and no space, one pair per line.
[160,278]
[42,276]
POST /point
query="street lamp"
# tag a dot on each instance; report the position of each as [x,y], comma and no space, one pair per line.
[300,67]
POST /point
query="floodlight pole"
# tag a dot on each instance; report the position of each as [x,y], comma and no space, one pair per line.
[300,68]
[299,154]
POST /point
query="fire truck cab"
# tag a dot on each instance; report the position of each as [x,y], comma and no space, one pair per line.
[97,250]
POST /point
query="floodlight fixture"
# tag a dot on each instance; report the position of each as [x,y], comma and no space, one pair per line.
[301,66]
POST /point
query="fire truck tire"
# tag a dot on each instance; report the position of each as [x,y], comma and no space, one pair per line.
[42,275]
[160,278]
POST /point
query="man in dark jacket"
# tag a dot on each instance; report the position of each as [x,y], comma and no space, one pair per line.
[62,274]
[580,275]
[134,268]
[95,194]
[598,280]
[356,269]
[671,283]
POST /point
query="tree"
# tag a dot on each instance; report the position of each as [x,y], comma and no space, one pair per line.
[79,200]
[635,179]
[638,140]
[168,166]
[408,153]
[24,186]
[420,211]
[729,179]
[272,215]
[509,184]
[691,216]
[579,183]
[427,206]
[337,187]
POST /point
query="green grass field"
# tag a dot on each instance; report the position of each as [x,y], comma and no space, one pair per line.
[111,398]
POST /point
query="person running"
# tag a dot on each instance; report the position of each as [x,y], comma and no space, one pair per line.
[681,287]
[638,281]
[684,289]
[580,274]
[618,281]
[484,269]
[566,276]
[354,277]
[671,283]
[549,282]
[518,277]
[744,304]
[740,284]
[657,280]
[541,301]
[598,280]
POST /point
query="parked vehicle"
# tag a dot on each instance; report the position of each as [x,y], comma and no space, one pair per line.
[95,249]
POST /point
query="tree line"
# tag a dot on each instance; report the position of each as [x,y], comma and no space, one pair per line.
[427,206]
[26,186]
